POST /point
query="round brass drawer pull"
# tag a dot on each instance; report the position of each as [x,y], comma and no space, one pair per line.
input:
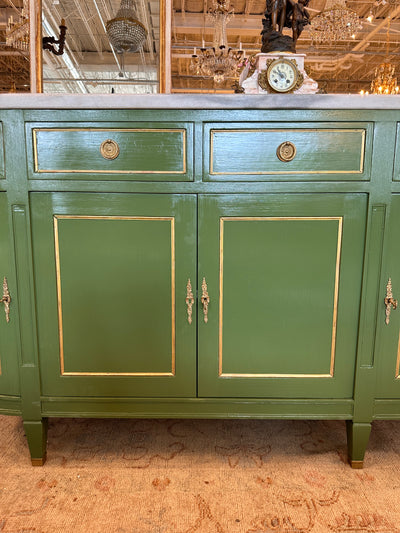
[109,149]
[286,151]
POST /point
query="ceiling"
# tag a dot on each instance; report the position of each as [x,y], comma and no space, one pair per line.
[89,64]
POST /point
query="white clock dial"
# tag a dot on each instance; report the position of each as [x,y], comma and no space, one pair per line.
[282,76]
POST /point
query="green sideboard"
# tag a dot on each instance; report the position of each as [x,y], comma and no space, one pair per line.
[200,261]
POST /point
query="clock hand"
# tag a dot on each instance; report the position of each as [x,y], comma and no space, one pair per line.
[281,74]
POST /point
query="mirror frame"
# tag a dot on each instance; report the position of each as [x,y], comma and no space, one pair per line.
[35,46]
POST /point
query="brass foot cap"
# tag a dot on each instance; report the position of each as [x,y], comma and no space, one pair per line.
[356,464]
[38,462]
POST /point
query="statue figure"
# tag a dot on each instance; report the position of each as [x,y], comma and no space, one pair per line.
[281,14]
[300,17]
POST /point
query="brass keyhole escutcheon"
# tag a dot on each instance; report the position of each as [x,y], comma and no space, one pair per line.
[205,299]
[286,151]
[109,149]
[6,299]
[390,302]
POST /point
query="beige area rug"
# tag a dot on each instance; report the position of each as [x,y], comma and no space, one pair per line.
[205,476]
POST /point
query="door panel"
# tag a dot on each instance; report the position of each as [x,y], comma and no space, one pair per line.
[388,335]
[118,268]
[283,274]
[9,380]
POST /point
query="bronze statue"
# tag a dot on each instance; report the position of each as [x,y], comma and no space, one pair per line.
[300,17]
[278,15]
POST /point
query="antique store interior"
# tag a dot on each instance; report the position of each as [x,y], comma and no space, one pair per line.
[346,43]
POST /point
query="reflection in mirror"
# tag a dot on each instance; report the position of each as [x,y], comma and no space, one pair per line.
[14,46]
[90,63]
[340,61]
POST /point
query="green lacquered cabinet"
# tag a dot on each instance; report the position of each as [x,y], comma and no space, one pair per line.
[196,270]
[283,273]
[111,274]
[9,374]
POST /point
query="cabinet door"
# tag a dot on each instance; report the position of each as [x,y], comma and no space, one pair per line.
[388,335]
[283,275]
[9,381]
[111,273]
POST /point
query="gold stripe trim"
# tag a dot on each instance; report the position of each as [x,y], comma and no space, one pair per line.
[56,218]
[111,130]
[397,374]
[280,172]
[225,375]
[335,304]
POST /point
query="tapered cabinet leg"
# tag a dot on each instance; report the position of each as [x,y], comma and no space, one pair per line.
[36,434]
[357,441]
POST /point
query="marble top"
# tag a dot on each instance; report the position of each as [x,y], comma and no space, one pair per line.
[198,101]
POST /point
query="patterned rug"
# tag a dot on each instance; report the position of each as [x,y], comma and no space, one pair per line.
[205,476]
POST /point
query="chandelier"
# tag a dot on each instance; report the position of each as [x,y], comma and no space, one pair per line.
[17,32]
[126,34]
[336,23]
[219,61]
[385,82]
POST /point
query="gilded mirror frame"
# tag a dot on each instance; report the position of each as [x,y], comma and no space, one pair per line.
[36,76]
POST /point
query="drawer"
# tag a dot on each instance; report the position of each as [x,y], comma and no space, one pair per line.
[156,153]
[270,152]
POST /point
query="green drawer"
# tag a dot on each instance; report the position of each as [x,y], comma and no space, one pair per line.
[269,152]
[143,153]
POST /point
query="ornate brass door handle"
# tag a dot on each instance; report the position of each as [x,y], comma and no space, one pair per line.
[189,301]
[6,299]
[205,299]
[389,300]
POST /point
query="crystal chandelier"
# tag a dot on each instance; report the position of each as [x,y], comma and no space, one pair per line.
[336,23]
[125,32]
[219,61]
[17,32]
[385,82]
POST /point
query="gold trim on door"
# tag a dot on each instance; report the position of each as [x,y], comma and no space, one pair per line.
[285,171]
[111,131]
[397,373]
[221,288]
[59,300]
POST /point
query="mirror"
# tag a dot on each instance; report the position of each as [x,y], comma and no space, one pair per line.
[14,46]
[89,63]
[340,61]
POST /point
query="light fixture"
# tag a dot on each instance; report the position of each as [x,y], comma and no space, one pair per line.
[49,42]
[218,61]
[17,32]
[385,82]
[336,23]
[125,32]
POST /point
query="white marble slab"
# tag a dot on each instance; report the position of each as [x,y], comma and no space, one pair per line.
[198,101]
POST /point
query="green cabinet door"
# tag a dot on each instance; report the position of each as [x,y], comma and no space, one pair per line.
[388,334]
[111,274]
[9,380]
[283,275]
